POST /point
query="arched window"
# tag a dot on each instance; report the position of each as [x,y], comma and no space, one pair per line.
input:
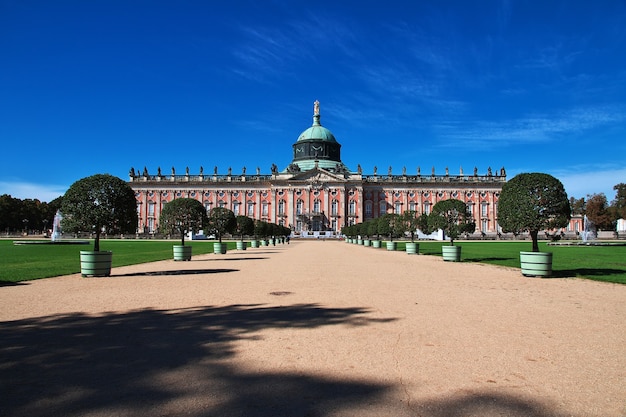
[333,208]
[299,207]
[368,209]
[281,207]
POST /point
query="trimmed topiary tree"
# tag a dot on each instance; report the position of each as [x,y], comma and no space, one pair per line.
[244,226]
[423,224]
[389,225]
[410,220]
[261,229]
[181,216]
[452,217]
[372,228]
[99,203]
[532,202]
[221,221]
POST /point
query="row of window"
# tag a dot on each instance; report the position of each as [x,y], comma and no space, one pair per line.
[334,208]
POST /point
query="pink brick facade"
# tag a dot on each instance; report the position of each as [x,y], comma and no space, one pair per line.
[318,200]
[317,192]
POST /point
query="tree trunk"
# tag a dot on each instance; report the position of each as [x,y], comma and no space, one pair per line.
[533,236]
[96,243]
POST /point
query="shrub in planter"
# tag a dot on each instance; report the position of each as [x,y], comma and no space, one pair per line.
[531,202]
[99,203]
[372,230]
[261,231]
[244,226]
[452,217]
[182,215]
[221,221]
[390,225]
[410,223]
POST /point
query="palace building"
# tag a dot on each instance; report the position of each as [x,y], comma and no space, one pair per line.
[316,194]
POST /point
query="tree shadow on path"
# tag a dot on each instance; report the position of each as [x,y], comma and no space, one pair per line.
[174,272]
[141,362]
[182,362]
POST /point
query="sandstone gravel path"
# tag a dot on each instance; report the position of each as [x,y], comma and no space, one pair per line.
[315,328]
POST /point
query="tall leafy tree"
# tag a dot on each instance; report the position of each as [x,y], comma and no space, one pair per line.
[619,203]
[31,214]
[9,213]
[598,211]
[533,202]
[578,206]
[99,203]
[181,216]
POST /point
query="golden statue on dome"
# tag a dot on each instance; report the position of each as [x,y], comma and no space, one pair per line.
[316,108]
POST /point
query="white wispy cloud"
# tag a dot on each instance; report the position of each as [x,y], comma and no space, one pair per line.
[591,180]
[27,190]
[534,128]
[277,51]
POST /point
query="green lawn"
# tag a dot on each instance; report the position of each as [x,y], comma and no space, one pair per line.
[26,262]
[600,263]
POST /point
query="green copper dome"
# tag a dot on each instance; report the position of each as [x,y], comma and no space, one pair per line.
[316,147]
[317,132]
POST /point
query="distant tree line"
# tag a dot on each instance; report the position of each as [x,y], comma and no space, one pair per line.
[597,208]
[34,216]
[26,216]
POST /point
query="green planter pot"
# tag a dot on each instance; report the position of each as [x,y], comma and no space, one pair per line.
[359,241]
[241,245]
[264,242]
[392,245]
[182,253]
[367,242]
[451,253]
[412,248]
[254,243]
[219,248]
[536,264]
[95,264]
[376,243]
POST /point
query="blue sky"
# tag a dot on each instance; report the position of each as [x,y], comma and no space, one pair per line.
[102,86]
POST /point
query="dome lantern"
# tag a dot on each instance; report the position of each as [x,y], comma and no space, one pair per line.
[317,147]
